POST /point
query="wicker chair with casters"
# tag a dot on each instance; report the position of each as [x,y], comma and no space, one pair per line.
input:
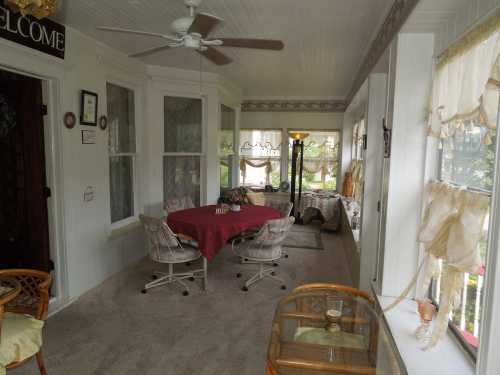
[178,204]
[165,247]
[21,317]
[285,209]
[265,248]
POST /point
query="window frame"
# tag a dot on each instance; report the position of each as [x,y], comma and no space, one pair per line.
[339,150]
[235,154]
[472,352]
[134,218]
[240,183]
[201,155]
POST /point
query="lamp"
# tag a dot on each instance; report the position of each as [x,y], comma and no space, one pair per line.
[297,149]
[37,8]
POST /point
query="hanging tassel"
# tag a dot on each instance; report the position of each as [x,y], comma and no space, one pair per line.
[487,139]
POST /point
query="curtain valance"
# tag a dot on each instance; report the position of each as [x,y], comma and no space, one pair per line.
[256,164]
[466,83]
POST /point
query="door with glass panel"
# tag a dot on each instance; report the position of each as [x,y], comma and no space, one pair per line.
[183,149]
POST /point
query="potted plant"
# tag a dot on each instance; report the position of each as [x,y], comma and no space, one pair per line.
[236,200]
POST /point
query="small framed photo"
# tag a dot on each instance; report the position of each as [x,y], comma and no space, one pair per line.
[88,137]
[88,108]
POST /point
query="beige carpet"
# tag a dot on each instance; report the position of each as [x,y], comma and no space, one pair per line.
[114,329]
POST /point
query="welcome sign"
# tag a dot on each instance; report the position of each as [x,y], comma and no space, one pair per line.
[43,35]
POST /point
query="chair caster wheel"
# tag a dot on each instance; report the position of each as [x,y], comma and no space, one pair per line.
[238,275]
[185,293]
[245,289]
[273,273]
[144,291]
[283,287]
[154,277]
[275,264]
[246,260]
[286,255]
[191,279]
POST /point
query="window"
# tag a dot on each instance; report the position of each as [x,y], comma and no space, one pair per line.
[122,151]
[358,134]
[321,153]
[183,148]
[226,148]
[468,159]
[260,157]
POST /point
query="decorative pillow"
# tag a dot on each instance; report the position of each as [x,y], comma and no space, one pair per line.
[21,338]
[257,199]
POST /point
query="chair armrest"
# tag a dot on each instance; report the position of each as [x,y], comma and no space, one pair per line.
[184,237]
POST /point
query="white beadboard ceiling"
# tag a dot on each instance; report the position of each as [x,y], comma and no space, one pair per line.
[325,40]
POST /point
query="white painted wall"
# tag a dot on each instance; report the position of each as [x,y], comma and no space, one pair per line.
[374,154]
[86,253]
[413,75]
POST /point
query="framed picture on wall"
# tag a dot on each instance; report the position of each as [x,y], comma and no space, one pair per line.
[88,108]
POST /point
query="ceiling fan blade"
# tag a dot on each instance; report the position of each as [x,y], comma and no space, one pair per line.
[204,23]
[215,56]
[275,45]
[137,32]
[149,51]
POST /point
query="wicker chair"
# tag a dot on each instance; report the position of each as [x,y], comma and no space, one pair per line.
[32,299]
[165,247]
[284,207]
[264,248]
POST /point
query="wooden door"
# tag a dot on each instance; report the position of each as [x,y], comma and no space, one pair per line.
[24,233]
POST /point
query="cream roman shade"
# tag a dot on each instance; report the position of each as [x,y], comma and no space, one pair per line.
[467,82]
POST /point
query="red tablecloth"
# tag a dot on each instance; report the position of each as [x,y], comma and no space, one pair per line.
[213,231]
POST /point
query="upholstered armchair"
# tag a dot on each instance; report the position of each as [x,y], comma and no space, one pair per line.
[166,247]
[22,316]
[263,248]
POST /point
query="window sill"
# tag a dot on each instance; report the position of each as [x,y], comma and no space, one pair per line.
[119,231]
[446,358]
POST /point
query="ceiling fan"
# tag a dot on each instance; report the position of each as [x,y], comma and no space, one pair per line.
[193,32]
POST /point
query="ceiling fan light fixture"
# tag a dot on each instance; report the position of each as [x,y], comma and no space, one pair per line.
[181,25]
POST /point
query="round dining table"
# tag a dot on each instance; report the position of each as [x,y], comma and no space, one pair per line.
[212,231]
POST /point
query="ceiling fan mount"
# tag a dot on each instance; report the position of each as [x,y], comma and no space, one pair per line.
[194,31]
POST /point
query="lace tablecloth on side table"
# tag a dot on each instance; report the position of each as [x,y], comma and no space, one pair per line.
[327,204]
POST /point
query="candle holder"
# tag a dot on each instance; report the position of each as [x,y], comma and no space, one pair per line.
[333,314]
[426,310]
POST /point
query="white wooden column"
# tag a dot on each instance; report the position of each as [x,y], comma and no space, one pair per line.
[412,84]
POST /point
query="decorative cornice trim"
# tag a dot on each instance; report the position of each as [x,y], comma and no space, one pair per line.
[293,106]
[398,14]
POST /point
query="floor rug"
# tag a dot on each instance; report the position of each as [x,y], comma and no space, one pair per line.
[304,239]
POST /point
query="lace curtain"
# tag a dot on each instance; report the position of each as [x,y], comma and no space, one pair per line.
[357,173]
[466,84]
[259,149]
[450,231]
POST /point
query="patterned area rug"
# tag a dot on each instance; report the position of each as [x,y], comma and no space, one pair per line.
[304,237]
